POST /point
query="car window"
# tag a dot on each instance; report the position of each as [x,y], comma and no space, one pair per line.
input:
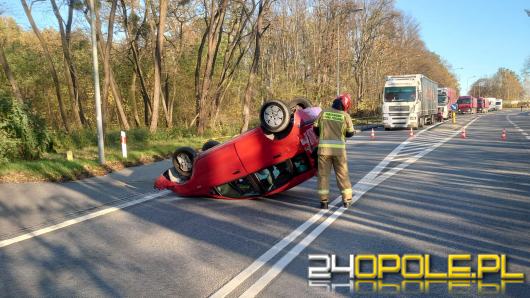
[238,188]
[300,163]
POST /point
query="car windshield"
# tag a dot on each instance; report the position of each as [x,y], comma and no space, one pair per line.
[464,100]
[498,103]
[442,99]
[400,94]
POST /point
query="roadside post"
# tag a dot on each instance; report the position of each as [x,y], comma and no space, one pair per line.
[454,107]
[123,141]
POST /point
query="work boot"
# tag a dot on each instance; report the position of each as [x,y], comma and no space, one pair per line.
[346,204]
[323,205]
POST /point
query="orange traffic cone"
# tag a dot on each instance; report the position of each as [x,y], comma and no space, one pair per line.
[463,133]
[372,135]
[503,135]
[411,133]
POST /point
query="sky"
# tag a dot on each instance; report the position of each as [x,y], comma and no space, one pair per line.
[476,37]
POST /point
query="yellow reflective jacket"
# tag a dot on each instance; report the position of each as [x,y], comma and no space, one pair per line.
[333,125]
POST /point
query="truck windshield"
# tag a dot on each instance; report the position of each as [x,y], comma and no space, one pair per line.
[498,103]
[464,100]
[400,94]
[442,99]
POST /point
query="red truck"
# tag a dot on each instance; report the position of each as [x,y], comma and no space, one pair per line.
[483,105]
[467,104]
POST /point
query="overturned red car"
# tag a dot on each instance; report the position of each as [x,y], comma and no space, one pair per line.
[264,161]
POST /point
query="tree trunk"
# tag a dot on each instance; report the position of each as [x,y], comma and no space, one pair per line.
[136,60]
[132,99]
[249,92]
[69,66]
[53,70]
[110,83]
[158,64]
[9,74]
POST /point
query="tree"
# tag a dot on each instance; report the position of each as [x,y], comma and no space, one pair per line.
[48,56]
[258,31]
[65,29]
[158,63]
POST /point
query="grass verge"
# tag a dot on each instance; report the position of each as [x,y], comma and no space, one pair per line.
[54,166]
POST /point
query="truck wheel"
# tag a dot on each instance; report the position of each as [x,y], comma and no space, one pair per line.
[274,116]
[183,159]
[209,144]
[421,122]
[299,103]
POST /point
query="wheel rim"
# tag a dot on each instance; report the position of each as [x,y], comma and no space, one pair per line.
[184,162]
[273,116]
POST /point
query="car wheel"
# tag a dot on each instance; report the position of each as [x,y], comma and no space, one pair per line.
[183,160]
[209,144]
[299,103]
[274,116]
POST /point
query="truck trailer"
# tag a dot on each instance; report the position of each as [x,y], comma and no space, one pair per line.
[467,104]
[446,97]
[498,104]
[491,103]
[409,101]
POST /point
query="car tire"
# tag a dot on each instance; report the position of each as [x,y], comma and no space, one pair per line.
[209,144]
[299,103]
[183,159]
[274,116]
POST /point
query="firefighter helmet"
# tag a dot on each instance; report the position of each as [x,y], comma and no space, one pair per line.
[343,100]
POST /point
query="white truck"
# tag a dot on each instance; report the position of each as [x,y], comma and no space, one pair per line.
[409,101]
[498,104]
[492,103]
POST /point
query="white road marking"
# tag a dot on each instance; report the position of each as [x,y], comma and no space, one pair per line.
[85,217]
[360,188]
[280,265]
[517,127]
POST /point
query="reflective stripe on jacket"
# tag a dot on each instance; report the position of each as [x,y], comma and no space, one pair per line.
[333,124]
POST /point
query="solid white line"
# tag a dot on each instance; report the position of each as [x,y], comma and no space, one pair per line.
[278,267]
[362,186]
[76,220]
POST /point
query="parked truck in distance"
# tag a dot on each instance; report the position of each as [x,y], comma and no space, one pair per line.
[491,102]
[482,105]
[467,104]
[498,104]
[409,101]
[446,97]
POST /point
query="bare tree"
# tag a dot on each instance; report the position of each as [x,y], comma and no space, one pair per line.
[65,29]
[48,56]
[258,31]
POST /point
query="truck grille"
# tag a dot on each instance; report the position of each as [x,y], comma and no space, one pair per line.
[398,108]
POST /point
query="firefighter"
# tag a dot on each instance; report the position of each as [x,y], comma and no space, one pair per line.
[332,126]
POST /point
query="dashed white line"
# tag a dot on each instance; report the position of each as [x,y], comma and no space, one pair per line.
[77,220]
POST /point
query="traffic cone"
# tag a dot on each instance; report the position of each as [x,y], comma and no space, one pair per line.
[372,135]
[463,133]
[503,135]
[411,133]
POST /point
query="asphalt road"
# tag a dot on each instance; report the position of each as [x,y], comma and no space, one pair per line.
[435,193]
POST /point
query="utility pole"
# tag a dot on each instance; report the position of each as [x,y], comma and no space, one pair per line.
[99,120]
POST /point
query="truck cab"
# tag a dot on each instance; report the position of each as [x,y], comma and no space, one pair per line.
[409,101]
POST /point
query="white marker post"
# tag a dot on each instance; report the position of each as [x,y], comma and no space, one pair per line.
[123,140]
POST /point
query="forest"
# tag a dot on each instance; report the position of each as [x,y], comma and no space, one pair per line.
[198,67]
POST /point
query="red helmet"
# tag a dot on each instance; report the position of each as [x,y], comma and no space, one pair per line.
[345,99]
